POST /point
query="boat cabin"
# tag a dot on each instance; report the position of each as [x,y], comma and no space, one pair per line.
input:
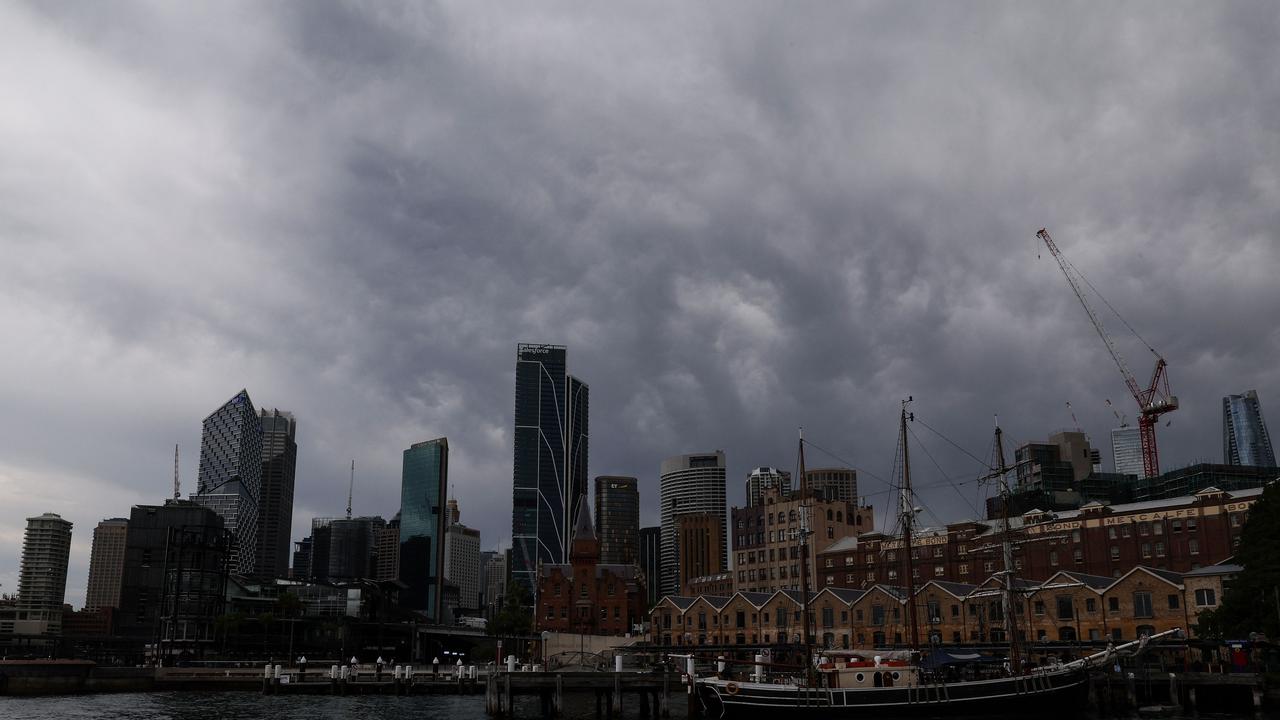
[859,670]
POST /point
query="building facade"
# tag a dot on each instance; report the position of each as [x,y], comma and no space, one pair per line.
[699,547]
[618,518]
[689,484]
[495,583]
[650,560]
[1245,440]
[550,466]
[275,499]
[835,483]
[42,579]
[106,564]
[1177,535]
[766,477]
[230,480]
[353,548]
[387,550]
[424,485]
[462,561]
[765,537]
[1126,451]
[586,595]
[177,560]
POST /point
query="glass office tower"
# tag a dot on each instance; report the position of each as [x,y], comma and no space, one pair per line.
[424,483]
[230,480]
[275,501]
[550,466]
[1245,440]
[617,518]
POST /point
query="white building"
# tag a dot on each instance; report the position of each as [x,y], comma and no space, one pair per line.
[462,560]
[1126,451]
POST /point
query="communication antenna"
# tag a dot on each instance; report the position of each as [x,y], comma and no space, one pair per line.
[177,492]
[351,487]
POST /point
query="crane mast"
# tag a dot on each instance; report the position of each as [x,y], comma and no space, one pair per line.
[1155,399]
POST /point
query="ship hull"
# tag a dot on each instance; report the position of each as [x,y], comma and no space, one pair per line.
[1049,693]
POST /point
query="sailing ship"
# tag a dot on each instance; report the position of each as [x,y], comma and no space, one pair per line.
[849,683]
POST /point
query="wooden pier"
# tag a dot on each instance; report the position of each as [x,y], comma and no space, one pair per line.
[652,691]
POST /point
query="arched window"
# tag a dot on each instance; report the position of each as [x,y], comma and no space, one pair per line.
[830,515]
[839,516]
[1067,633]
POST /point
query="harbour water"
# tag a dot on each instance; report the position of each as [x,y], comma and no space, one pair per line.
[254,706]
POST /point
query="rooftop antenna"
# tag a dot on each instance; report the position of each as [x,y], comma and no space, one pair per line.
[177,493]
[351,487]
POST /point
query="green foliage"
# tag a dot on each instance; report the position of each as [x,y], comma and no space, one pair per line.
[1252,601]
[516,616]
[288,605]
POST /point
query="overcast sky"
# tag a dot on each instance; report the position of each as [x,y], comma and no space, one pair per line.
[739,217]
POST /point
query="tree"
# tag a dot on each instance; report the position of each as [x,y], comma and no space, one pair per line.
[1252,601]
[516,615]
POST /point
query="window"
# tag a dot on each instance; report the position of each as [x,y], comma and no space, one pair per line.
[1177,526]
[1090,605]
[831,579]
[1126,531]
[828,617]
[1111,533]
[964,568]
[742,619]
[1173,602]
[1157,528]
[939,570]
[937,552]
[893,574]
[1235,519]
[831,532]
[1115,552]
[877,615]
[1191,524]
[1078,556]
[1053,558]
[1146,550]
[1142,605]
[1206,597]
[1039,607]
[556,589]
[1159,549]
[1066,609]
[1144,529]
[1193,545]
[830,563]
[1075,536]
[955,611]
[988,566]
[1113,604]
[871,576]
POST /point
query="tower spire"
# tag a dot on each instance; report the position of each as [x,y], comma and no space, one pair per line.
[177,492]
[351,487]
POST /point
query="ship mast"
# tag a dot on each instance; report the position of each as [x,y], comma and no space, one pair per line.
[803,534]
[1006,548]
[907,510]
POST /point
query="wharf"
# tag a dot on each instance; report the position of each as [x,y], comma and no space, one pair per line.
[653,691]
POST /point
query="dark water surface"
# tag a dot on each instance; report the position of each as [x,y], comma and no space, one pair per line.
[242,706]
[255,706]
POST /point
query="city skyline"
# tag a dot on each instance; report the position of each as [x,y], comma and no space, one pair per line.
[796,219]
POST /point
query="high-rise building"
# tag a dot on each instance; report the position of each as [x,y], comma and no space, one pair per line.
[1245,440]
[387,540]
[766,477]
[462,560]
[424,484]
[230,481]
[550,465]
[495,583]
[174,588]
[353,548]
[617,518]
[838,484]
[275,501]
[689,484]
[650,558]
[1126,451]
[700,547]
[106,564]
[302,557]
[42,581]
[1063,463]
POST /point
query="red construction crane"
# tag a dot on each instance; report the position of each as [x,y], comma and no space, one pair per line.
[1154,400]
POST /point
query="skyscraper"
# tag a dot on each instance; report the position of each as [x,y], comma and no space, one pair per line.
[840,484]
[424,483]
[387,542]
[1126,451]
[1245,440]
[462,560]
[651,561]
[550,465]
[689,484]
[42,582]
[765,477]
[275,503]
[617,518]
[106,564]
[230,480]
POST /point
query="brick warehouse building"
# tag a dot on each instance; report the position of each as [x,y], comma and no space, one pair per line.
[1178,534]
[588,596]
[1066,608]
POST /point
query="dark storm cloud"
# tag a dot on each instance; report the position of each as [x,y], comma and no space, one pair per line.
[740,219]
